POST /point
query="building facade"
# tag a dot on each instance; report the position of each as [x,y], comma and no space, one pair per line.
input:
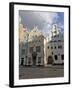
[55,47]
[35,49]
[31,47]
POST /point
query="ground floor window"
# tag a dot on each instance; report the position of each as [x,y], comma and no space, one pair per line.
[38,49]
[39,60]
[50,60]
[62,57]
[22,61]
[29,60]
[31,49]
[56,57]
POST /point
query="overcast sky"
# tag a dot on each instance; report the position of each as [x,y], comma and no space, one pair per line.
[43,20]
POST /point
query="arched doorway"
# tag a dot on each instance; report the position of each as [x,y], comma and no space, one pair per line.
[34,56]
[50,60]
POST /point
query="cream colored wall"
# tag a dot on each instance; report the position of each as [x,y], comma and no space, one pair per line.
[55,51]
[39,54]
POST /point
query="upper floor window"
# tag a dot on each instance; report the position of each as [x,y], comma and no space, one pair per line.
[48,47]
[55,41]
[59,40]
[60,46]
[55,47]
[38,49]
[29,60]
[23,51]
[51,47]
[31,49]
[52,53]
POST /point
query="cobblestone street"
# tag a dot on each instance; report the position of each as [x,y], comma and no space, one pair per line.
[41,72]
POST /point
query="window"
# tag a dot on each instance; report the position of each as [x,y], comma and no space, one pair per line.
[29,60]
[55,47]
[22,58]
[23,51]
[55,35]
[22,61]
[62,57]
[55,31]
[60,47]
[56,57]
[38,49]
[52,53]
[31,49]
[59,40]
[48,47]
[51,47]
[55,41]
[39,60]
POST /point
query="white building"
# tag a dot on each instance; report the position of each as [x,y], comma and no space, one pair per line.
[54,47]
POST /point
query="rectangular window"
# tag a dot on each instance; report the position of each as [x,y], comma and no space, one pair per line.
[55,41]
[31,49]
[62,57]
[59,40]
[48,47]
[60,47]
[29,60]
[55,47]
[38,49]
[39,60]
[51,47]
[56,57]
[23,51]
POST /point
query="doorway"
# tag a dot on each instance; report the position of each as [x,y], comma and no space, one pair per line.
[34,57]
[50,60]
[22,61]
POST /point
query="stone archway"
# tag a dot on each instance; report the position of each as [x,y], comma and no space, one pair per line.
[50,60]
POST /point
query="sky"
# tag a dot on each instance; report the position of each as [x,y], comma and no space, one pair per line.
[42,19]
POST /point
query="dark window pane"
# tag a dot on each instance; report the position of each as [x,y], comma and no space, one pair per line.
[31,49]
[39,60]
[38,49]
[55,47]
[55,41]
[22,61]
[51,47]
[62,57]
[52,53]
[48,47]
[60,47]
[59,40]
[29,60]
[56,57]
[23,51]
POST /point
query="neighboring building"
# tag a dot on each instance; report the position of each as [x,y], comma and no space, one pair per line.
[31,47]
[23,37]
[55,47]
[35,49]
